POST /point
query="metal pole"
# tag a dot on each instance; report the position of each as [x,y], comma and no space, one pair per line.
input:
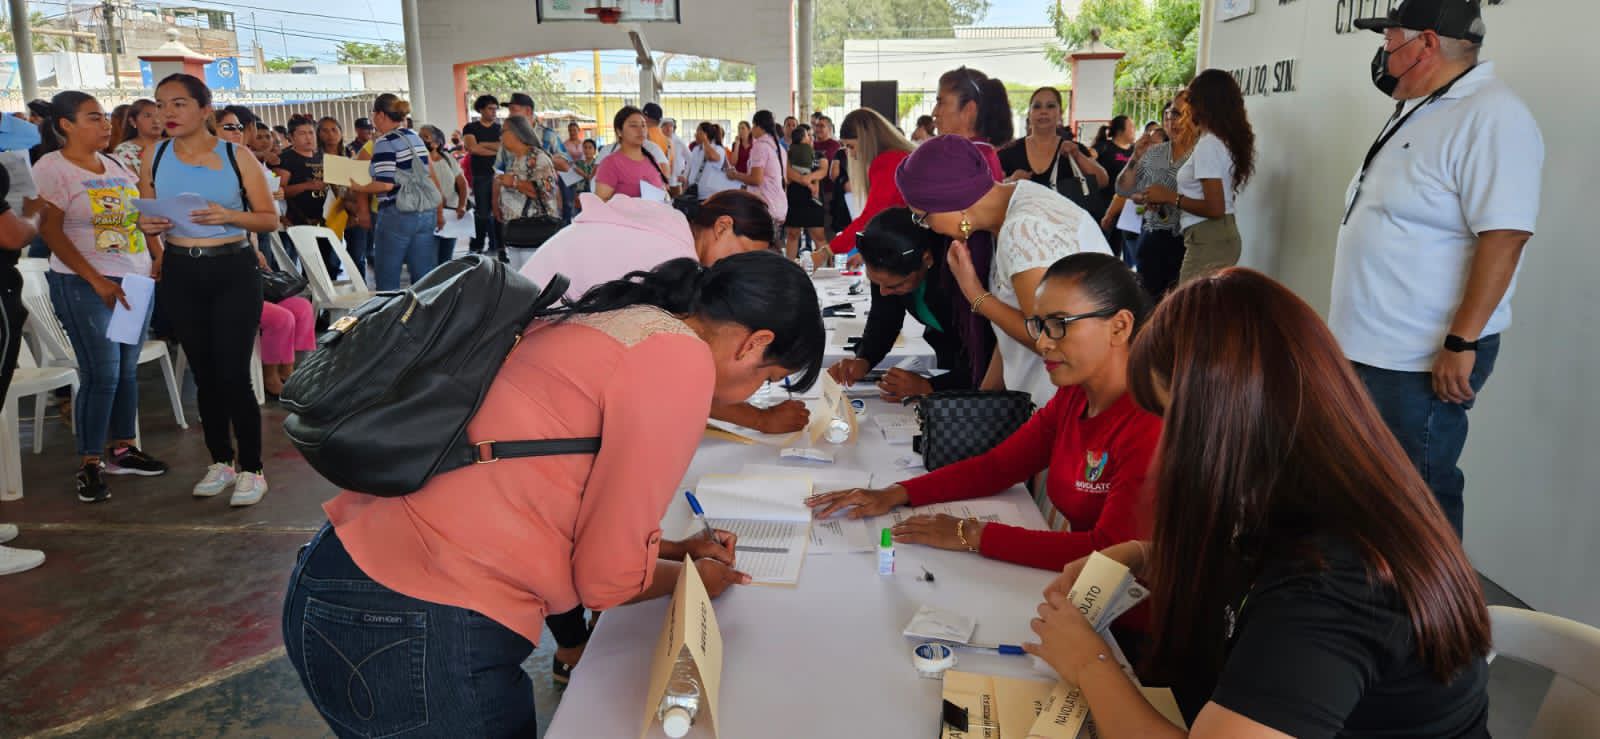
[22,38]
[413,31]
[109,11]
[599,99]
[804,52]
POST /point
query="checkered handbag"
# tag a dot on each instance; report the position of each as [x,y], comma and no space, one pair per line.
[957,424]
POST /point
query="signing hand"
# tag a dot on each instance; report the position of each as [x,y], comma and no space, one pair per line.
[720,549]
[960,261]
[848,372]
[1452,376]
[898,384]
[866,502]
[938,531]
[1066,642]
[718,577]
[790,415]
[212,215]
[110,292]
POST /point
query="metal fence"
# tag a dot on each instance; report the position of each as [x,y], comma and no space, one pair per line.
[1143,104]
[275,106]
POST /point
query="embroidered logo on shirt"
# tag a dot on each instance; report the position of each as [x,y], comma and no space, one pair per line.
[1095,465]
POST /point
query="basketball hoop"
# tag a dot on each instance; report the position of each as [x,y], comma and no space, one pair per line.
[608,16]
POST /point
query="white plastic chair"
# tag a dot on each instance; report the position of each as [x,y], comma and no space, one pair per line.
[54,348]
[326,295]
[1571,650]
[37,381]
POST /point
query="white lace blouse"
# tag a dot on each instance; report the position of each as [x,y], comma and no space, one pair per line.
[1041,227]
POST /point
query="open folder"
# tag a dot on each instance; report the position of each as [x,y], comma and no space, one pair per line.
[771,518]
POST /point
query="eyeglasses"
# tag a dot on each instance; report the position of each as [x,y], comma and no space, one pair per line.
[235,127]
[1055,326]
[920,219]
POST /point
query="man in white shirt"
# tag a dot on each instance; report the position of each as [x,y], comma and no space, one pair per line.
[1435,224]
[680,154]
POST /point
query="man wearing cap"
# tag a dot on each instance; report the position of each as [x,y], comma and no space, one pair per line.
[654,134]
[1434,227]
[678,153]
[364,131]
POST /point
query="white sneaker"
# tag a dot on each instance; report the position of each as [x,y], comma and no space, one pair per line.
[19,560]
[8,531]
[249,489]
[218,477]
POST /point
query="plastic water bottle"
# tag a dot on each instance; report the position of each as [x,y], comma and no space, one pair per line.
[807,263]
[681,703]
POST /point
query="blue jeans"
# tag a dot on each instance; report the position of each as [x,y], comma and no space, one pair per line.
[447,249]
[1431,431]
[403,238]
[378,663]
[108,372]
[358,244]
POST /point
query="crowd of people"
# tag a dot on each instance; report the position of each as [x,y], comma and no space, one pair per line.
[1198,421]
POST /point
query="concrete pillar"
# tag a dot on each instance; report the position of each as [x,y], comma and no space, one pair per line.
[413,30]
[804,54]
[22,35]
[647,84]
[1202,55]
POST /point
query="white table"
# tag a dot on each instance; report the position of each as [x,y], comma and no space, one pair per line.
[826,658]
[833,290]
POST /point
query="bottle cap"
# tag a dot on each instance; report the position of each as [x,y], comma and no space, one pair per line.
[886,540]
[676,722]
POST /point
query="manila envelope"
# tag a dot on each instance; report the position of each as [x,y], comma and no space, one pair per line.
[997,707]
[833,404]
[691,625]
[1066,714]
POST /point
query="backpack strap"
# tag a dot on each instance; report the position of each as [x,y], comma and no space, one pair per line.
[238,176]
[155,164]
[493,451]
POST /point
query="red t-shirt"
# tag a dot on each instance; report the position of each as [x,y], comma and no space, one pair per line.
[1096,480]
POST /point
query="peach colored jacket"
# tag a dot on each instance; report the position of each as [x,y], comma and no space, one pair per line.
[519,538]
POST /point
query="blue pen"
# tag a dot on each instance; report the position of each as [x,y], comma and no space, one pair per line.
[700,513]
[788,388]
[997,648]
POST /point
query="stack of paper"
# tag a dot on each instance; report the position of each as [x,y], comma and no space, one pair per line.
[770,517]
[834,535]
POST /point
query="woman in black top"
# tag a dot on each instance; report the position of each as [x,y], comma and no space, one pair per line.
[1304,580]
[900,258]
[1053,160]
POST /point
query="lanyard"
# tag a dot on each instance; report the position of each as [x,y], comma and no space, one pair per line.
[1391,128]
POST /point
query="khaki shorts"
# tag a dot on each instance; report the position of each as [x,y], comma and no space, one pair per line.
[1211,245]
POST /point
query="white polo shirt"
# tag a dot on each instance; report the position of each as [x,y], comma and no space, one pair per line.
[1465,164]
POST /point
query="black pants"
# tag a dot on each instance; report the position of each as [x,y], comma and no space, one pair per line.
[12,316]
[1160,258]
[571,629]
[483,215]
[214,307]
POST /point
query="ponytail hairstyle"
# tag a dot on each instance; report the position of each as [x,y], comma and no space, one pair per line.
[712,131]
[391,106]
[130,122]
[759,290]
[763,120]
[894,243]
[751,219]
[64,106]
[993,122]
[1107,281]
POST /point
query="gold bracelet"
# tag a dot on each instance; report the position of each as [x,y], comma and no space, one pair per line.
[961,532]
[980,300]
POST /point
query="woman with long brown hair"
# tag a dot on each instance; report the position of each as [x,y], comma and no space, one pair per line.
[1298,561]
[1222,161]
[1160,249]
[139,129]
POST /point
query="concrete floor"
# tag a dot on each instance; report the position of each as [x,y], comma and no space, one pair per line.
[157,613]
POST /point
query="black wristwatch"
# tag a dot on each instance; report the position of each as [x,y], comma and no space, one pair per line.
[1453,343]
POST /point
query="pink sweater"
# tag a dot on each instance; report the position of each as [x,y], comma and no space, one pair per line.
[609,239]
[519,538]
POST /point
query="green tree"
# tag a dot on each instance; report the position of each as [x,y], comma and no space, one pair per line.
[701,69]
[537,76]
[837,20]
[356,52]
[1159,36]
[41,42]
[280,64]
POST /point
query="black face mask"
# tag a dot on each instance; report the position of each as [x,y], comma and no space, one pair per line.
[1381,79]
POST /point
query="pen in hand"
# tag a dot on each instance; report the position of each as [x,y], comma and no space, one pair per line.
[700,514]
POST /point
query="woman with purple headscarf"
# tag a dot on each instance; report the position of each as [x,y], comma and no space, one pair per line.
[948,185]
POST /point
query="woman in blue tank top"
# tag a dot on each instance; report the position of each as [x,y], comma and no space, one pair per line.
[210,290]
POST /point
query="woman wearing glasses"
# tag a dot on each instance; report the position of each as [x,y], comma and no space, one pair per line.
[1095,442]
[947,185]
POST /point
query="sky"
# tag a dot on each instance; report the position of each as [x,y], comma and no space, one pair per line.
[303,28]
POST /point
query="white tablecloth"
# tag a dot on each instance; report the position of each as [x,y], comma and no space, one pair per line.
[826,658]
[834,290]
